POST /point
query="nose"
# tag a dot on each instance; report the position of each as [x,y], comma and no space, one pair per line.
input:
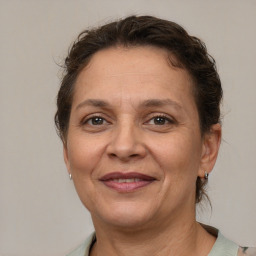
[126,143]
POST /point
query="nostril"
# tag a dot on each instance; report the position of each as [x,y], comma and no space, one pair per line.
[113,155]
[126,156]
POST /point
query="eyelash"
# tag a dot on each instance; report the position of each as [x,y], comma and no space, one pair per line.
[165,119]
[87,120]
[162,116]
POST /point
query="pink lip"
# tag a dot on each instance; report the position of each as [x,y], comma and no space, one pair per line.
[110,180]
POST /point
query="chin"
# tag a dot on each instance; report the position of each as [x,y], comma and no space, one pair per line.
[128,217]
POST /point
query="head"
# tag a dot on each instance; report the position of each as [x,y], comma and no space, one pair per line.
[183,52]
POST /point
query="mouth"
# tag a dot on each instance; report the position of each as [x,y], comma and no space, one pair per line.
[126,182]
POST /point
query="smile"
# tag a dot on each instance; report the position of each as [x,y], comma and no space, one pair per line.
[126,182]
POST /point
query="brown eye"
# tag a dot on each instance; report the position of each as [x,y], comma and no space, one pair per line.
[94,121]
[97,121]
[160,120]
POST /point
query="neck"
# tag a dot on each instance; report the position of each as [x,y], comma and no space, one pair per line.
[181,238]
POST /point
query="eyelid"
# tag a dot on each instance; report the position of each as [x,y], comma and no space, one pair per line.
[108,120]
[163,115]
[94,115]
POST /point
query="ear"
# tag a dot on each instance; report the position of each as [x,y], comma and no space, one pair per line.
[66,158]
[210,149]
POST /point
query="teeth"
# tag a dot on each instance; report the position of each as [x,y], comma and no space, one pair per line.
[126,180]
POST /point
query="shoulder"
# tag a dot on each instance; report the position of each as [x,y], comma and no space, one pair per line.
[226,247]
[246,251]
[84,248]
[222,246]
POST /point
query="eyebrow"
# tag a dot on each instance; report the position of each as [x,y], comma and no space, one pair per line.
[94,103]
[160,103]
[147,103]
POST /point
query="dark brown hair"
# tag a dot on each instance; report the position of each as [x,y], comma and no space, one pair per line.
[189,53]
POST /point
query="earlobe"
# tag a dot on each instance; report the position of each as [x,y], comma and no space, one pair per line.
[211,144]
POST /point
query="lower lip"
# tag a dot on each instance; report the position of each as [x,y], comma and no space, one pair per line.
[127,186]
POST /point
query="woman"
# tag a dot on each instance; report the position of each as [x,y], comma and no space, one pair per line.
[139,117]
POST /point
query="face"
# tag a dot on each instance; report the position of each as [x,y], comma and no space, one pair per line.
[134,146]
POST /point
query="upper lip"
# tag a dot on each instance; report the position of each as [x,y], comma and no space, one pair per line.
[128,175]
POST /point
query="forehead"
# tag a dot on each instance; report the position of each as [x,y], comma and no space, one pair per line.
[133,74]
[141,63]
[137,59]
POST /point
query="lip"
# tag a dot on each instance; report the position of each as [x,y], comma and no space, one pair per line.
[114,181]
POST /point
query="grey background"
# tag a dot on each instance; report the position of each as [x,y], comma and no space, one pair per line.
[40,213]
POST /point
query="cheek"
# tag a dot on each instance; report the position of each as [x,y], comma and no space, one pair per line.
[179,157]
[84,154]
[181,169]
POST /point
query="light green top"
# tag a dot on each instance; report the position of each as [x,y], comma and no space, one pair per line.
[222,247]
[84,248]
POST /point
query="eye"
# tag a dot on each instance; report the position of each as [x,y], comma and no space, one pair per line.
[160,120]
[94,123]
[95,120]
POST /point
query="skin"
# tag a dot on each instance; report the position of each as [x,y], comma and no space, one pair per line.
[158,219]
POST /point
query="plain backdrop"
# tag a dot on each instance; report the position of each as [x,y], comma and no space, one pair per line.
[40,213]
